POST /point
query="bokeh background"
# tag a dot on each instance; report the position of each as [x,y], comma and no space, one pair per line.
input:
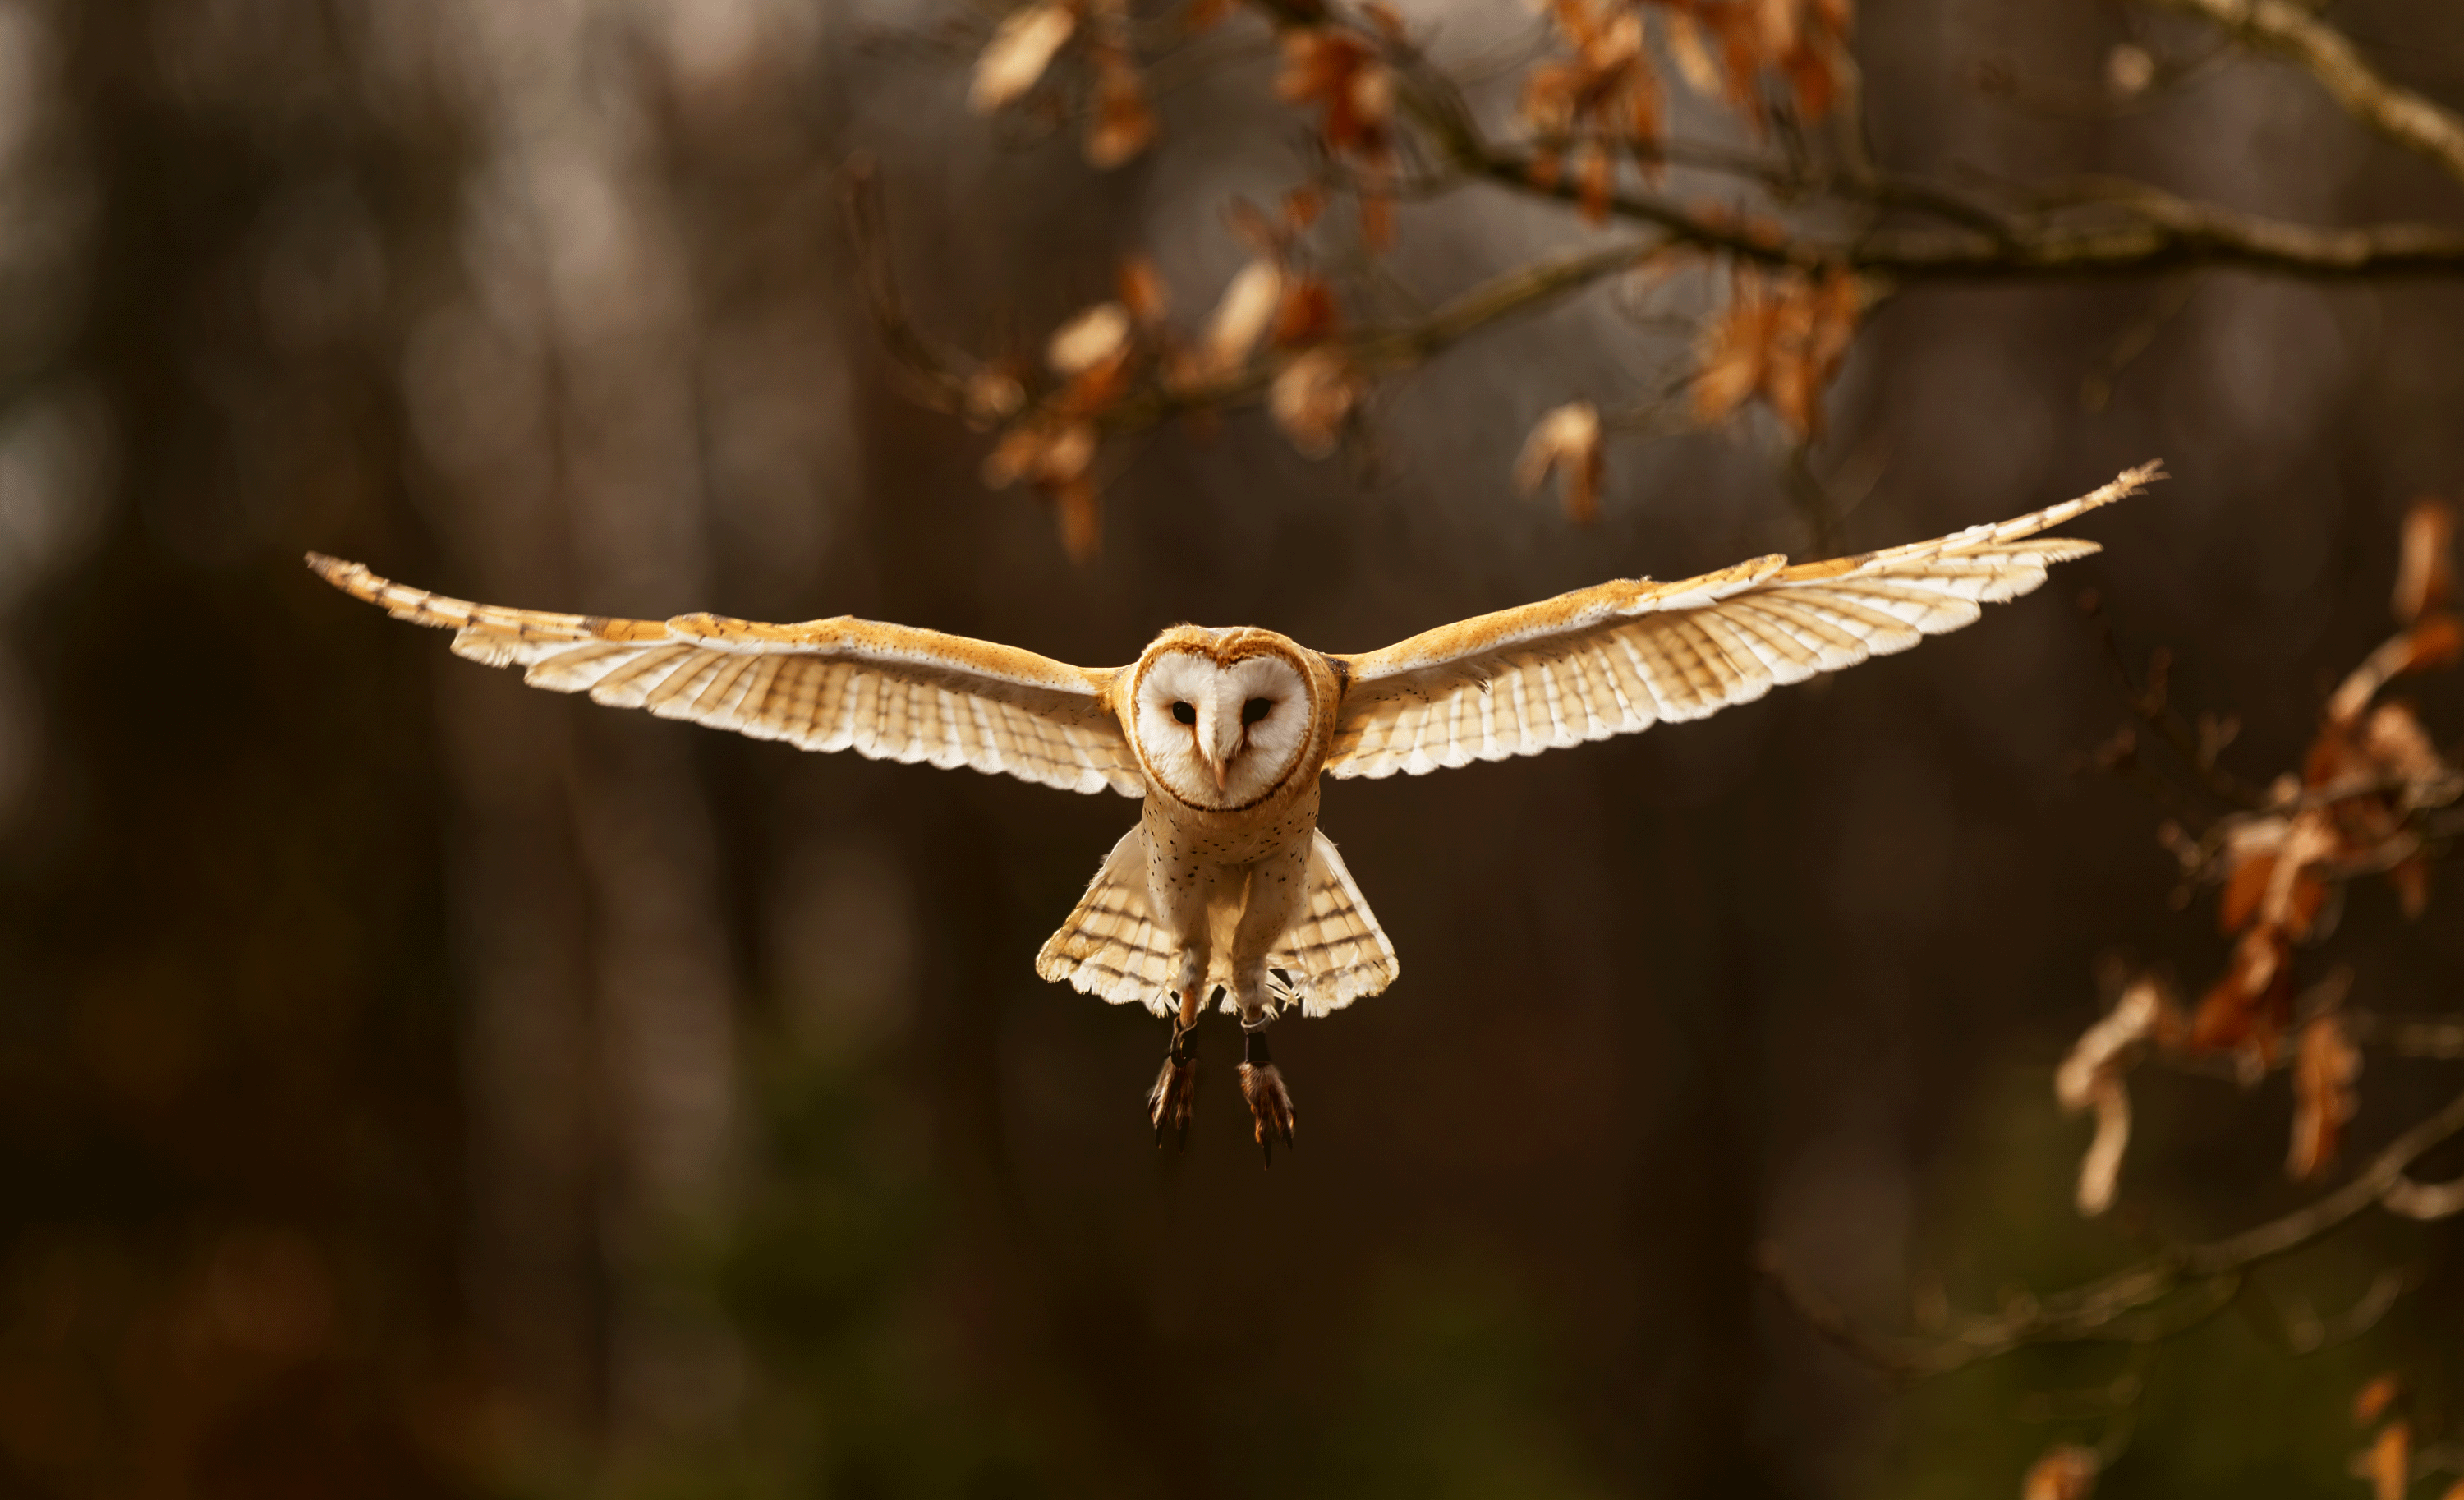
[414,1085]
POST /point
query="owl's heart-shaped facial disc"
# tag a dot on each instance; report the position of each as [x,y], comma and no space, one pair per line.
[1220,735]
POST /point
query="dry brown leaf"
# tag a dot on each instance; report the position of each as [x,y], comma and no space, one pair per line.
[2397,746]
[2128,71]
[2092,1076]
[2250,874]
[1312,397]
[1568,441]
[1736,351]
[2425,577]
[1141,290]
[2434,640]
[1022,46]
[1693,58]
[1782,338]
[993,395]
[1041,451]
[1838,302]
[2105,1050]
[2410,878]
[1014,456]
[2325,1062]
[1123,124]
[2437,641]
[2067,1473]
[1340,71]
[2249,1007]
[1082,520]
[2388,1463]
[1377,219]
[2100,1169]
[1595,178]
[1092,337]
[1070,454]
[1306,313]
[2293,896]
[2376,1399]
[1241,318]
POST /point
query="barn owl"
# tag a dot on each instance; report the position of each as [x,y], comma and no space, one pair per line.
[1225,886]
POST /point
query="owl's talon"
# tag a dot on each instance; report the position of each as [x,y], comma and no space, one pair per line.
[1173,1101]
[1270,1106]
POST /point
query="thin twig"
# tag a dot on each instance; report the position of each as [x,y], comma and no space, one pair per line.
[2411,1036]
[934,371]
[2123,1305]
[2399,114]
[1397,348]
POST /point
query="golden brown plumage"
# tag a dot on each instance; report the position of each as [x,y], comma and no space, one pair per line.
[1227,735]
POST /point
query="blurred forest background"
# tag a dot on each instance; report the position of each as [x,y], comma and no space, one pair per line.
[411,1084]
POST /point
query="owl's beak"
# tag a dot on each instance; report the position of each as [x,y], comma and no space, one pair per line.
[1223,743]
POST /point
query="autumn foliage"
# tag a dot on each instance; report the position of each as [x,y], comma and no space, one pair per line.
[2360,805]
[1592,112]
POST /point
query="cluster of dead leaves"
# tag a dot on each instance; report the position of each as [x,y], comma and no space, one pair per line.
[1120,121]
[1601,100]
[2352,812]
[1277,310]
[1343,74]
[1781,336]
[1566,441]
[2370,769]
[2067,1472]
[2386,1464]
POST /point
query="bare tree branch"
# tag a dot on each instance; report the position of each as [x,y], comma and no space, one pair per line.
[2107,1308]
[2410,1036]
[2399,114]
[933,371]
[2158,233]
[1400,346]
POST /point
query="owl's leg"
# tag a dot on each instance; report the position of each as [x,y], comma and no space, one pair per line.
[1173,1098]
[1277,885]
[1180,896]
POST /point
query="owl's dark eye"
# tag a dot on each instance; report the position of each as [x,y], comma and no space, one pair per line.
[1256,709]
[1184,713]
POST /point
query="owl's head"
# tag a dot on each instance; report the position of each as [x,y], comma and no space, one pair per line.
[1222,716]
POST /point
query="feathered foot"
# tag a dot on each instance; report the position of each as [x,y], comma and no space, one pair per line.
[1173,1099]
[1270,1103]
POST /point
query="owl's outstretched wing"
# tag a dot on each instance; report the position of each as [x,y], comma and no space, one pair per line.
[1626,655]
[888,691]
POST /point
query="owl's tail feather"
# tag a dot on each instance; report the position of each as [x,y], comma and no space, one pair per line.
[1109,947]
[1335,953]
[1332,954]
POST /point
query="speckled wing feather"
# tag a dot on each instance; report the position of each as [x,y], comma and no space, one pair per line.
[888,691]
[1334,952]
[1626,655]
[1111,947]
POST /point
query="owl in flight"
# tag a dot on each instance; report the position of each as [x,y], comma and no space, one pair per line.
[1227,887]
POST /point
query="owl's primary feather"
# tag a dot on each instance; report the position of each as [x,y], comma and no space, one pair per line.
[887,692]
[1625,655]
[1227,735]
